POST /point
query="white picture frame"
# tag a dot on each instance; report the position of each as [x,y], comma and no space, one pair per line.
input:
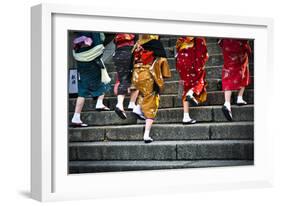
[49,159]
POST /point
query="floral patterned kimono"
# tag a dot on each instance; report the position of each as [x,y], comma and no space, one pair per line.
[192,56]
[150,69]
[235,71]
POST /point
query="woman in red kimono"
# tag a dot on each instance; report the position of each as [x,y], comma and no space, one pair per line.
[191,58]
[235,71]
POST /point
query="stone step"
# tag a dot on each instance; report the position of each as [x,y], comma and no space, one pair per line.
[170,115]
[212,72]
[167,101]
[163,132]
[76,167]
[163,150]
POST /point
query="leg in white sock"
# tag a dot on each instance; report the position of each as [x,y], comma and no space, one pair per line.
[76,119]
[133,99]
[186,117]
[148,125]
[227,107]
[78,108]
[137,110]
[119,110]
[240,99]
[100,105]
[227,97]
[120,100]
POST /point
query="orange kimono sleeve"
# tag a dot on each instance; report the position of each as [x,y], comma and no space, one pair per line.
[160,70]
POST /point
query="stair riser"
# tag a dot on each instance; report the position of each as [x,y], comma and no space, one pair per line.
[161,132]
[201,114]
[227,151]
[113,166]
[185,151]
[173,101]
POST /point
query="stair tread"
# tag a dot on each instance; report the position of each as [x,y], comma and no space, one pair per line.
[134,165]
[191,107]
[162,95]
[155,125]
[159,143]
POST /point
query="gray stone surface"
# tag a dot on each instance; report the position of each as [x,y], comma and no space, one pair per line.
[125,151]
[105,118]
[164,150]
[159,132]
[86,134]
[202,114]
[237,130]
[115,166]
[213,150]
[126,132]
[170,115]
[239,113]
[180,132]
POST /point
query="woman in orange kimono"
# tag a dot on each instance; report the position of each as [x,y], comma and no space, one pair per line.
[123,60]
[235,71]
[191,58]
[150,69]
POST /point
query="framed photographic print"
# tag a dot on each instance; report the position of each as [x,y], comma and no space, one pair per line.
[134,102]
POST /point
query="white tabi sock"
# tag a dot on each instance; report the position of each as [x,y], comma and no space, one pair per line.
[186,117]
[137,109]
[241,100]
[131,105]
[227,104]
[99,104]
[76,118]
[190,92]
[120,102]
[146,135]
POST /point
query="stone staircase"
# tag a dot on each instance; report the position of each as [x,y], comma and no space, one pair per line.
[112,144]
